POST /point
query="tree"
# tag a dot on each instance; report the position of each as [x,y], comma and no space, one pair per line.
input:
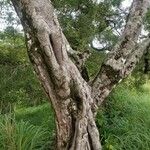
[74,100]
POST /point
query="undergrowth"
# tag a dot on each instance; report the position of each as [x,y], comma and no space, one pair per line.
[21,135]
[124,121]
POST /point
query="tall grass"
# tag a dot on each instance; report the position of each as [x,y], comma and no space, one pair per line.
[21,135]
[124,122]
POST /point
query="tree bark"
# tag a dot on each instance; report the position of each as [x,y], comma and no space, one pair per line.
[70,95]
[123,57]
[67,90]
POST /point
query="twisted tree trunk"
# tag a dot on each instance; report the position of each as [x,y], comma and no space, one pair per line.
[72,98]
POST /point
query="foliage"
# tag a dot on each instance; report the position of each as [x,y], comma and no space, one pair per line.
[12,47]
[123,121]
[19,87]
[94,62]
[83,20]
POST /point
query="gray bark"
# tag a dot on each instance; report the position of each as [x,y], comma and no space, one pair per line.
[123,57]
[69,93]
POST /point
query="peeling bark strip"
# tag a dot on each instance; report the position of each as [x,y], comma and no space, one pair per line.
[68,92]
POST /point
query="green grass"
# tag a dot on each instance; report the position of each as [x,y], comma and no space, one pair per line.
[31,128]
[125,121]
[41,115]
[21,135]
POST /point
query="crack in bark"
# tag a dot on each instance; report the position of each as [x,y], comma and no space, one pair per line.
[57,49]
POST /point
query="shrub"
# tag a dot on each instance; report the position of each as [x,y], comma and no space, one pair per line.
[19,87]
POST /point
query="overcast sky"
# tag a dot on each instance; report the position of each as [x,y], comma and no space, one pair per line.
[126,3]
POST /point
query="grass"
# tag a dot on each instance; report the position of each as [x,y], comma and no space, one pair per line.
[21,135]
[19,87]
[41,115]
[31,128]
[125,121]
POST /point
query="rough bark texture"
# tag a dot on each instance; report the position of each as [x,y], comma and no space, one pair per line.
[124,56]
[65,87]
[69,93]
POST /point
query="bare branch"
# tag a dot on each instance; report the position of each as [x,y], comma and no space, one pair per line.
[116,65]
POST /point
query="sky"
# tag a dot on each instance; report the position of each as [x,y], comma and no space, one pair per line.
[126,3]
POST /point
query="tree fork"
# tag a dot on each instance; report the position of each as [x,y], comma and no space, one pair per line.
[69,93]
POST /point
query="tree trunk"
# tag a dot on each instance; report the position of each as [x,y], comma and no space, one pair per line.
[69,93]
[67,90]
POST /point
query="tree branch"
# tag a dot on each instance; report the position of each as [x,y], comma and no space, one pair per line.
[135,56]
[69,94]
[79,59]
[123,57]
